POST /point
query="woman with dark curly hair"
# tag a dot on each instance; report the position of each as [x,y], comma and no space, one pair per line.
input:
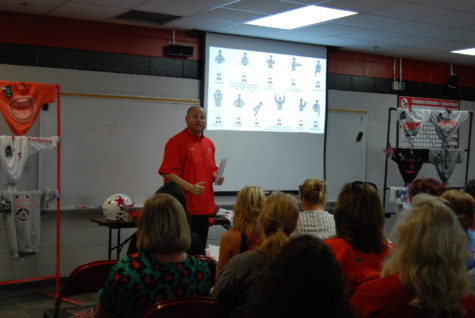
[360,246]
[303,280]
[426,185]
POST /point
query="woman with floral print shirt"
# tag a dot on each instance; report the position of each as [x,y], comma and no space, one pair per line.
[161,269]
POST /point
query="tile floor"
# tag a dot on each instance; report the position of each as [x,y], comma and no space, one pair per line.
[28,301]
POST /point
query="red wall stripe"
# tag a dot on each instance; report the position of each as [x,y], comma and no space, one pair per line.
[117,38]
[90,35]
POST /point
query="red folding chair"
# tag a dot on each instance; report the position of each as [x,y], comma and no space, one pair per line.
[212,264]
[196,307]
[86,278]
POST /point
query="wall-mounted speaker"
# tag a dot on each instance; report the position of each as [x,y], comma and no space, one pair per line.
[180,50]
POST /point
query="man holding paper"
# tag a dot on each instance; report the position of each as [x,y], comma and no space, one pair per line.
[189,161]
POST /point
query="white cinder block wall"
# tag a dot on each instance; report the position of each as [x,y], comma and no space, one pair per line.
[83,241]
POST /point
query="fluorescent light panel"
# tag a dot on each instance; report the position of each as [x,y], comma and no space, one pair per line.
[470,51]
[301,17]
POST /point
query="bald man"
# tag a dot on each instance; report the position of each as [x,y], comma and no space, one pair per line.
[189,161]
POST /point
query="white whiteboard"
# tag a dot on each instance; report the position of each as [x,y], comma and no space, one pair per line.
[109,146]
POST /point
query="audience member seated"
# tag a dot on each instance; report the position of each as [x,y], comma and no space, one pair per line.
[175,191]
[360,246]
[244,234]
[470,187]
[161,268]
[426,275]
[463,204]
[426,185]
[277,221]
[314,220]
[304,280]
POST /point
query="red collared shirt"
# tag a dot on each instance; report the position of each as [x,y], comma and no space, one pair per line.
[192,158]
[388,298]
[357,266]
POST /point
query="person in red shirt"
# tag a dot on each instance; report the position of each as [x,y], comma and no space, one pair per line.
[189,161]
[360,245]
[426,275]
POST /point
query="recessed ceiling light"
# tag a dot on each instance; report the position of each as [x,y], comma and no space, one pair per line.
[301,17]
[465,51]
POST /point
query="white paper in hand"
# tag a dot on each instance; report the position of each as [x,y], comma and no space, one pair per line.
[222,166]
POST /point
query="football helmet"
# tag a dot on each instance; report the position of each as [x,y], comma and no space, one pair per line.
[118,207]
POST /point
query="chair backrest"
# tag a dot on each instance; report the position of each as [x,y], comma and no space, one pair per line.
[196,307]
[212,264]
[87,278]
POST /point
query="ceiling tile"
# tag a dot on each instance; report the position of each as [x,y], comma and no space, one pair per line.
[199,23]
[430,31]
[453,19]
[264,6]
[461,5]
[363,6]
[86,11]
[365,20]
[173,7]
[110,3]
[230,15]
[324,29]
[34,7]
[413,12]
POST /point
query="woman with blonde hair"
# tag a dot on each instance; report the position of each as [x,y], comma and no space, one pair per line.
[426,275]
[160,269]
[277,221]
[313,219]
[360,245]
[244,234]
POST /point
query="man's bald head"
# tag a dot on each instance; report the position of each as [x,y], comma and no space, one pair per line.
[196,120]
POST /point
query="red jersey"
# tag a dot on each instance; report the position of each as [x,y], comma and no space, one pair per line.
[387,297]
[192,158]
[357,267]
[21,103]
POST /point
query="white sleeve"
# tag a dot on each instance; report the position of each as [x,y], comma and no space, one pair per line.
[42,143]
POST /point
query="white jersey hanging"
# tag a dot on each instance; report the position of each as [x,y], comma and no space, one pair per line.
[21,212]
[446,123]
[445,161]
[412,122]
[15,150]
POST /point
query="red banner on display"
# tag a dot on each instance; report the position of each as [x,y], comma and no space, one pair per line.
[425,103]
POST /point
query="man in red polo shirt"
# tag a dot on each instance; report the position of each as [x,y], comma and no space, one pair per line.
[189,161]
